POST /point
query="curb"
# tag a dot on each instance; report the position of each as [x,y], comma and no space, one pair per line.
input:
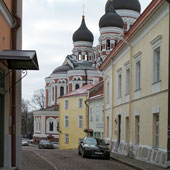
[128,164]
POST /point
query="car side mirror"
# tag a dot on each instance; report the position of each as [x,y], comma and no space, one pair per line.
[107,144]
[81,142]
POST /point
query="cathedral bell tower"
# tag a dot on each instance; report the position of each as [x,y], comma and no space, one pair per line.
[83,43]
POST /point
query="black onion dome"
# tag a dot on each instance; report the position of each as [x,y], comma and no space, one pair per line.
[83,33]
[124,4]
[111,19]
[62,69]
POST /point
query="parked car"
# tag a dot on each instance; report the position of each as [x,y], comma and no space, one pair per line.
[24,143]
[94,147]
[56,145]
[45,144]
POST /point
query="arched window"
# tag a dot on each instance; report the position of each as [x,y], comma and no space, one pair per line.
[61,91]
[108,45]
[79,56]
[77,86]
[116,42]
[51,126]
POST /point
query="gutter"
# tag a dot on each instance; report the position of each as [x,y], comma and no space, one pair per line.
[168,142]
[14,47]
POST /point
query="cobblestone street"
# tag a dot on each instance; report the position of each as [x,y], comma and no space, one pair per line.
[35,159]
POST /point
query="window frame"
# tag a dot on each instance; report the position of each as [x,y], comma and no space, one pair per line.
[66,138]
[66,104]
[80,121]
[80,103]
[66,121]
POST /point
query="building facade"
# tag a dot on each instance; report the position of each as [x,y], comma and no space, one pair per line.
[77,70]
[95,104]
[10,149]
[12,60]
[73,118]
[46,124]
[136,88]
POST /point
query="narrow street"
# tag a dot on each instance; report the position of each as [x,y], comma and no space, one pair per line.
[36,159]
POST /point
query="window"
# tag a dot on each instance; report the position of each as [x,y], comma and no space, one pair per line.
[61,91]
[66,138]
[2,82]
[102,112]
[108,93]
[127,81]
[137,75]
[51,126]
[108,45]
[156,130]
[77,86]
[156,65]
[119,86]
[91,114]
[80,103]
[80,121]
[127,129]
[66,104]
[137,129]
[66,121]
[97,113]
[53,93]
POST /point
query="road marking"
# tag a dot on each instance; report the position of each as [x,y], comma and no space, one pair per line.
[45,160]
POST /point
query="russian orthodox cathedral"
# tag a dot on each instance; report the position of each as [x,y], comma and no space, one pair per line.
[81,67]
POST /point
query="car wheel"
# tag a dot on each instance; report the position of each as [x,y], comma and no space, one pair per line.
[83,154]
[108,158]
[79,152]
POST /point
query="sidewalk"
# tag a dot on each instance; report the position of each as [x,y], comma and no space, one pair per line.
[139,165]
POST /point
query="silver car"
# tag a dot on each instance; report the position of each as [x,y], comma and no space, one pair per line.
[45,144]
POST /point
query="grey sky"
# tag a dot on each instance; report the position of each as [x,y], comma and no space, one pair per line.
[48,26]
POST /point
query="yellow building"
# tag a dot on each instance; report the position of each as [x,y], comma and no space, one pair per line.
[136,88]
[73,118]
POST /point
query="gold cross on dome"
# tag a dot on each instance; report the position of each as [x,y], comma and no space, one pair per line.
[83,9]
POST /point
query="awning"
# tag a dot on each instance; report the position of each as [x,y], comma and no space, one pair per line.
[20,59]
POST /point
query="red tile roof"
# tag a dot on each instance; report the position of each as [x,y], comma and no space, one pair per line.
[81,91]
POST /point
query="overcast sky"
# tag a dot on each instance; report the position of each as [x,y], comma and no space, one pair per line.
[48,26]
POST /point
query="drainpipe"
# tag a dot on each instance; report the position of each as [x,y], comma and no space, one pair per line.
[168,149]
[112,117]
[129,154]
[14,47]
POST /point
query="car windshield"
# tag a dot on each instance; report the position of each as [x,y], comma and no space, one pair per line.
[100,142]
[91,141]
[46,142]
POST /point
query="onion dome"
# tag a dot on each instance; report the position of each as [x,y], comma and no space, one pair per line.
[124,4]
[83,33]
[62,69]
[111,19]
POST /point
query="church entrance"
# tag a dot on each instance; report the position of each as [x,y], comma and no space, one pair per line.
[1,130]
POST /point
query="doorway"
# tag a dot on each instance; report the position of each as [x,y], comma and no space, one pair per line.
[1,130]
[119,129]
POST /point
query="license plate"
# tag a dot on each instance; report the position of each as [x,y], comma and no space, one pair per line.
[98,153]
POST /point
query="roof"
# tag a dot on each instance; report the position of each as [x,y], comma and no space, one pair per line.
[124,4]
[81,91]
[83,33]
[62,69]
[111,18]
[136,26]
[20,59]
[96,91]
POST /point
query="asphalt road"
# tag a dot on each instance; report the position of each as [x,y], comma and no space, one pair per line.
[43,159]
